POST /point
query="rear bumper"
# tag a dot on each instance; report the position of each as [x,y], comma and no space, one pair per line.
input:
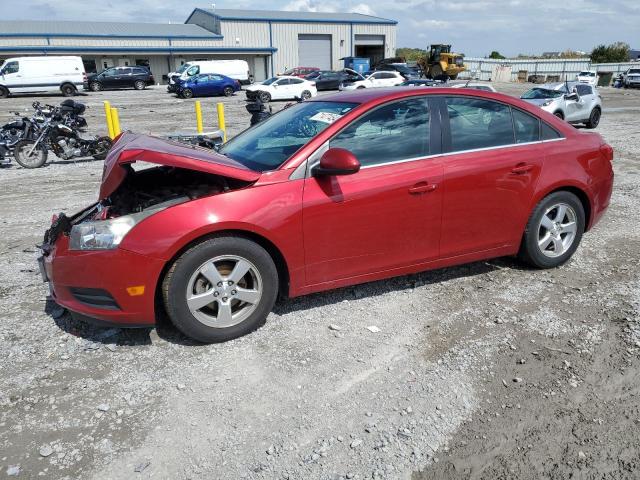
[94,283]
[601,195]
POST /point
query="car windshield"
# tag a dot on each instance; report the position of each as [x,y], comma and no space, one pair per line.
[270,81]
[634,71]
[539,93]
[270,143]
[586,74]
[182,68]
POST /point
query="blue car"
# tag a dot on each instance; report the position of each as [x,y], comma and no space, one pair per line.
[207,84]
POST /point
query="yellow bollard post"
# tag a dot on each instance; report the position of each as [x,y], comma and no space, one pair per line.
[199,117]
[115,119]
[107,112]
[221,125]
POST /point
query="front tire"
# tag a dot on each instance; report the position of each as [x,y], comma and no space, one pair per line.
[594,118]
[187,93]
[554,230]
[559,114]
[103,144]
[4,92]
[264,97]
[220,289]
[36,159]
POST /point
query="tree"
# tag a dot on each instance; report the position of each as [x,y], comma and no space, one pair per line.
[496,54]
[410,54]
[613,53]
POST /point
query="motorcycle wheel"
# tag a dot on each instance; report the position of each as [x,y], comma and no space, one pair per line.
[37,158]
[103,145]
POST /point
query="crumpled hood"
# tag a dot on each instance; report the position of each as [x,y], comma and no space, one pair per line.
[537,101]
[131,147]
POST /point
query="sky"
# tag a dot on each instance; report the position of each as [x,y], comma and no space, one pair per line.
[475,28]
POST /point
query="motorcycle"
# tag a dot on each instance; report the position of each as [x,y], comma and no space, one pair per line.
[13,132]
[59,133]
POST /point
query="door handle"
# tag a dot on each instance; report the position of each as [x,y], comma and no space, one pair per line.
[522,168]
[423,187]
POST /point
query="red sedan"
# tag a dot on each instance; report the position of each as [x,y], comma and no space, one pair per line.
[341,190]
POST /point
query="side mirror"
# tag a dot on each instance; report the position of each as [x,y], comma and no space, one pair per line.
[572,96]
[336,161]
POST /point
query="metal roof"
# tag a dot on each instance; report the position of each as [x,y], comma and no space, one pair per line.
[46,28]
[306,17]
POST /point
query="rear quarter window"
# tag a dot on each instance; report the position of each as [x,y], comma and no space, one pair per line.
[549,133]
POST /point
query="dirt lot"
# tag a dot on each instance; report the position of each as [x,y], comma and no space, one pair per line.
[488,370]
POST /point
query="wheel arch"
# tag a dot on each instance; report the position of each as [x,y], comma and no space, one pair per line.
[579,192]
[278,258]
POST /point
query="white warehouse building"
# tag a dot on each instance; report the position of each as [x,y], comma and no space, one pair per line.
[270,41]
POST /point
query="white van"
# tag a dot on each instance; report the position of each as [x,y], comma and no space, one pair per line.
[48,74]
[236,69]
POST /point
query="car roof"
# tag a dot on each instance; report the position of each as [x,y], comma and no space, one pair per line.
[374,95]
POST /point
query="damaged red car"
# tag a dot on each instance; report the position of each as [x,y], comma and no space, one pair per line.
[344,189]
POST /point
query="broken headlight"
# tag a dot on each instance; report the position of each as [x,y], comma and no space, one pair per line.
[102,234]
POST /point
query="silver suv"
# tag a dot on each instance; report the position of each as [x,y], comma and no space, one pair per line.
[572,101]
[632,78]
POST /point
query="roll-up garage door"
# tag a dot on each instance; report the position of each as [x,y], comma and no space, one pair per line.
[314,51]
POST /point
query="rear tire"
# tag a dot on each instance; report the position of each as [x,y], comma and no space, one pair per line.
[95,86]
[264,97]
[554,230]
[103,145]
[37,158]
[187,93]
[594,118]
[208,270]
[227,91]
[306,95]
[68,90]
[139,85]
[4,92]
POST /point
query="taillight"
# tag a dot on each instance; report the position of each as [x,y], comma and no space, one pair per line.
[84,77]
[607,151]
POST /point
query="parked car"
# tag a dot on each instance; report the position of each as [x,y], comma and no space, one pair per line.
[574,102]
[424,82]
[236,69]
[299,72]
[475,86]
[121,77]
[330,80]
[376,79]
[632,78]
[206,85]
[49,74]
[590,78]
[343,189]
[402,68]
[282,88]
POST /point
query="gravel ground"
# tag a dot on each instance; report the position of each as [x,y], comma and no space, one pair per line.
[488,370]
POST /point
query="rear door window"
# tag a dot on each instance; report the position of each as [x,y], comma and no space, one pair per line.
[477,123]
[527,127]
[393,132]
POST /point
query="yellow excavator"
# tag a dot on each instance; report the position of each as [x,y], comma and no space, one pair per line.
[441,64]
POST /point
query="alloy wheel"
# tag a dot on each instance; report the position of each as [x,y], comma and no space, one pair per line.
[224,291]
[557,230]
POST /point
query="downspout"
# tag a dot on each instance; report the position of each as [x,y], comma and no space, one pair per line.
[271,45]
[352,54]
